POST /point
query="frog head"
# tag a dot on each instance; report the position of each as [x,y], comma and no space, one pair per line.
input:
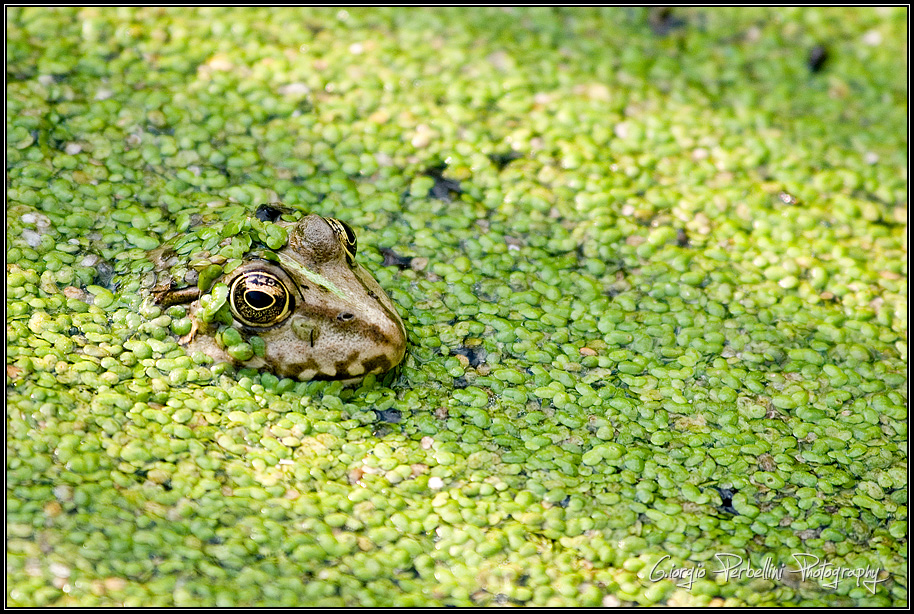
[293,300]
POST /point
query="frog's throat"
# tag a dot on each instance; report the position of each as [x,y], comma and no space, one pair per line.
[290,264]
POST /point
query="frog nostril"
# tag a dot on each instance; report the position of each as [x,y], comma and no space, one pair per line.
[345,316]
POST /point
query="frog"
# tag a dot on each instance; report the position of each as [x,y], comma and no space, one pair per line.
[287,284]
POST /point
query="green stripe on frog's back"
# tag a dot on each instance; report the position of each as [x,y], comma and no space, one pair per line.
[290,264]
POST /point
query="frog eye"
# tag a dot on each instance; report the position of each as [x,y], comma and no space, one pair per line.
[259,298]
[345,236]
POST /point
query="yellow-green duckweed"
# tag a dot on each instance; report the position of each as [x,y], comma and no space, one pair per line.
[652,263]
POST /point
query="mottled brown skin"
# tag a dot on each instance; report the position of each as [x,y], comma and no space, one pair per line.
[342,324]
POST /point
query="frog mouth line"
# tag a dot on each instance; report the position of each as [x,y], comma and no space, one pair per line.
[378,363]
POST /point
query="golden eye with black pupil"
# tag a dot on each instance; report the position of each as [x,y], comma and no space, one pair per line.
[345,236]
[259,299]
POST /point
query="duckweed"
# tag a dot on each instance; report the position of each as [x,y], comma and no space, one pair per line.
[636,340]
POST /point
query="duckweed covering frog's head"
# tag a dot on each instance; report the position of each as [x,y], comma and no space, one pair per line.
[281,291]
